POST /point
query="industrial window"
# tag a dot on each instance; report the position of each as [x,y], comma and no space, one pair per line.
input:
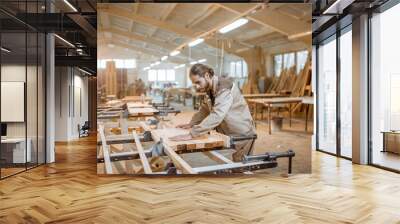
[119,63]
[152,75]
[170,75]
[161,75]
[238,69]
[301,59]
[288,60]
[278,62]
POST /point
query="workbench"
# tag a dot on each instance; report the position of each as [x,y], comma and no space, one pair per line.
[275,102]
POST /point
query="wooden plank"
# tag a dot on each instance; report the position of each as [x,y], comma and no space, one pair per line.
[142,111]
[138,105]
[217,157]
[142,155]
[208,141]
[178,161]
[106,152]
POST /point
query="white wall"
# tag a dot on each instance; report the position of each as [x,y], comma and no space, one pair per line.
[70,82]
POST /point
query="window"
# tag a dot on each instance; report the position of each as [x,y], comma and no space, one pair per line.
[346,94]
[278,62]
[288,60]
[152,75]
[385,88]
[238,69]
[161,75]
[327,96]
[301,59]
[170,75]
[119,63]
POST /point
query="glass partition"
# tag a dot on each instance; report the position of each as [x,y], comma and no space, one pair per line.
[346,93]
[22,88]
[385,89]
[327,96]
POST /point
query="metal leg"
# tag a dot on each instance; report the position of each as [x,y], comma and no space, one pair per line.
[269,118]
[290,115]
[290,165]
[307,109]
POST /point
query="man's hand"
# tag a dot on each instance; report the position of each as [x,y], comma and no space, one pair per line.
[184,137]
[184,126]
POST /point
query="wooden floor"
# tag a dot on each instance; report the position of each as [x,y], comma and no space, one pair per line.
[69,191]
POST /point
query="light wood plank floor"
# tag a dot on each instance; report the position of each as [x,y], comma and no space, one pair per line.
[69,191]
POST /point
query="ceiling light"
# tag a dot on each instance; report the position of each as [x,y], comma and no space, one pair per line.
[234,25]
[79,50]
[179,66]
[86,72]
[5,49]
[164,58]
[157,63]
[70,5]
[174,53]
[196,42]
[202,60]
[335,7]
[193,62]
[64,40]
[146,68]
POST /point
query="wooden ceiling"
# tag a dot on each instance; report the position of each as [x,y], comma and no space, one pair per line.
[152,30]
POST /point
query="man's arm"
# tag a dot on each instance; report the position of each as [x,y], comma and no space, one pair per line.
[223,103]
[199,116]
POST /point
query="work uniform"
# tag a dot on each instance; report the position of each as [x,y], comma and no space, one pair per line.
[227,111]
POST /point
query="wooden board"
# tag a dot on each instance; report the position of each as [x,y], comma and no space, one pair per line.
[142,111]
[137,105]
[137,98]
[209,141]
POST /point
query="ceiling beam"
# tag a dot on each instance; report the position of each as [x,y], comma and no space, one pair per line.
[267,16]
[214,30]
[168,47]
[141,50]
[167,12]
[211,9]
[135,36]
[156,23]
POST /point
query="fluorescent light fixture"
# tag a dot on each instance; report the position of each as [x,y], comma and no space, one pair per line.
[79,50]
[5,49]
[234,25]
[202,60]
[157,63]
[338,6]
[196,42]
[174,53]
[164,58]
[86,72]
[179,66]
[193,62]
[65,41]
[146,68]
[70,5]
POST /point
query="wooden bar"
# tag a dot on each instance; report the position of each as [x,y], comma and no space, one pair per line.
[178,161]
[217,157]
[106,152]
[142,155]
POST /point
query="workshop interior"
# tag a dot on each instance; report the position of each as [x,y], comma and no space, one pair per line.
[146,53]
